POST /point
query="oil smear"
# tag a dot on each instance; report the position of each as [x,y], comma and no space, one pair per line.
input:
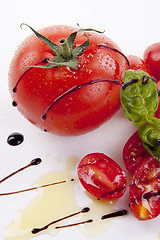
[56,202]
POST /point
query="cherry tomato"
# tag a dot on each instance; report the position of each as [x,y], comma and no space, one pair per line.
[152,58]
[101,176]
[157,114]
[83,100]
[134,152]
[137,63]
[144,193]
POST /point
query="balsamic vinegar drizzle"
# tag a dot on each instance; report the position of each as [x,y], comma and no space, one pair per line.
[34,162]
[33,188]
[115,50]
[75,88]
[45,60]
[15,139]
[114,214]
[37,230]
[74,224]
[84,210]
[132,81]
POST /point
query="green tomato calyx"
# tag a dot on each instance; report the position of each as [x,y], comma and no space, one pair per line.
[65,54]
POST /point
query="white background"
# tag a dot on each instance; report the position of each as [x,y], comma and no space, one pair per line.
[133,25]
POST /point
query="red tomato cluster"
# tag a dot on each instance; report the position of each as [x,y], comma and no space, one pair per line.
[144,190]
[73,101]
[97,172]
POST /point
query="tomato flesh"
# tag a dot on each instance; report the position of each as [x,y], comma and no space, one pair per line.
[82,110]
[101,176]
[144,193]
[134,152]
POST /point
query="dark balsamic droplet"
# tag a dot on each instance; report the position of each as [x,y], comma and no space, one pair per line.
[15,139]
[44,116]
[14,104]
[36,161]
[145,80]
[86,209]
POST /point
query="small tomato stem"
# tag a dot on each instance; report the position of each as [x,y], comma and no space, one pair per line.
[66,51]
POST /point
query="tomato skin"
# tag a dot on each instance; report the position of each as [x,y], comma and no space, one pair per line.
[80,111]
[144,193]
[134,152]
[101,176]
[137,63]
[157,114]
[152,58]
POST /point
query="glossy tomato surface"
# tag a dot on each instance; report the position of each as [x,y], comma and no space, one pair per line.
[101,176]
[144,193]
[152,58]
[134,152]
[157,114]
[137,63]
[80,111]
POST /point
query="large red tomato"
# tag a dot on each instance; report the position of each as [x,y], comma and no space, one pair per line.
[62,99]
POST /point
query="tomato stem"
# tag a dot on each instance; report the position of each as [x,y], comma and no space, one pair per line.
[66,51]
[65,55]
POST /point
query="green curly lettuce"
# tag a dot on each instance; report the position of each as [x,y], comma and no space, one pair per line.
[139,99]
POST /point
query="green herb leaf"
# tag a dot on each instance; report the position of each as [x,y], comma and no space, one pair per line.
[150,135]
[139,97]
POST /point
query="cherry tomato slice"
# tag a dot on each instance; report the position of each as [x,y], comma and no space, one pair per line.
[144,193]
[134,152]
[101,176]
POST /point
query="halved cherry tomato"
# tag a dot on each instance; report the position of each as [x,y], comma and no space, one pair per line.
[152,58]
[101,176]
[137,63]
[134,152]
[144,193]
